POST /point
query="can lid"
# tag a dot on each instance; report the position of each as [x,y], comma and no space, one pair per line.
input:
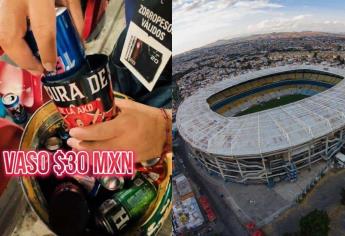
[112,182]
[60,10]
[9,99]
[150,162]
[88,182]
[53,143]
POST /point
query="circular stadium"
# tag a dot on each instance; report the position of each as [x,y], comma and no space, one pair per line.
[265,126]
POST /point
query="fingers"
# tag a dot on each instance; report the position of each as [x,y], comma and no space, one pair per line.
[42,20]
[79,145]
[109,145]
[91,145]
[108,129]
[13,26]
[99,131]
[75,9]
[126,104]
[82,145]
[21,54]
[77,15]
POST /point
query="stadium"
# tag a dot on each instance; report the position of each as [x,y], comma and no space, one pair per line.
[266,126]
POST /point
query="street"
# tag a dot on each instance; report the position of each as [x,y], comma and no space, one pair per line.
[228,224]
[324,196]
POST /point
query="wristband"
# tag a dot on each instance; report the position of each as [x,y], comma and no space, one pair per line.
[167,145]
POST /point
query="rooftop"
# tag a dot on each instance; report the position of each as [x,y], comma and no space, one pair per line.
[266,131]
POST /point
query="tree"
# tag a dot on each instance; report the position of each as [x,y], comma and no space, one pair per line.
[315,223]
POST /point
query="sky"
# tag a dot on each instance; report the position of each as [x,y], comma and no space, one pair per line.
[200,22]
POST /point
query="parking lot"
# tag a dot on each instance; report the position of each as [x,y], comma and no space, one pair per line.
[324,196]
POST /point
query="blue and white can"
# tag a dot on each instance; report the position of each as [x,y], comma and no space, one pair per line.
[2,109]
[13,106]
[70,49]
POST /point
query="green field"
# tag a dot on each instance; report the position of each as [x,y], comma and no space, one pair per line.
[273,103]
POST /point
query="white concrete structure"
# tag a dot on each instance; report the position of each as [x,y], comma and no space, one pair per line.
[260,147]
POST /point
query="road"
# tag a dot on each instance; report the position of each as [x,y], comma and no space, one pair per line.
[229,222]
[324,196]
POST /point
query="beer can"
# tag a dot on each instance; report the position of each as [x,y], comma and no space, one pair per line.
[84,97]
[13,106]
[126,206]
[157,175]
[112,183]
[68,209]
[70,49]
[155,170]
[52,144]
[2,109]
[90,184]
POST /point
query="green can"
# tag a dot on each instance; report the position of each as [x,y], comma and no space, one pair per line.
[126,206]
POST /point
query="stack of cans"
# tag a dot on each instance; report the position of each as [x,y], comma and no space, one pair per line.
[106,205]
[82,92]
[126,206]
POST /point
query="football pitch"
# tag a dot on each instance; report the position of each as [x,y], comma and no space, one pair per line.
[273,103]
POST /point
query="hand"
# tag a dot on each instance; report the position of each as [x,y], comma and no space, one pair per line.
[137,128]
[13,27]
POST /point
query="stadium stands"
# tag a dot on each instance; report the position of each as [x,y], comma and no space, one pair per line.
[270,145]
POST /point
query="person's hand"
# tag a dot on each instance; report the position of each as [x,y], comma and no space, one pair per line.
[41,13]
[138,128]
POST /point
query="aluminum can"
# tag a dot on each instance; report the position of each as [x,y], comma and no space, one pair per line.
[126,206]
[13,106]
[2,109]
[52,144]
[90,184]
[153,169]
[112,183]
[150,162]
[70,49]
[68,209]
[84,97]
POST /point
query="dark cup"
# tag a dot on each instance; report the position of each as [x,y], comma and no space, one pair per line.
[84,97]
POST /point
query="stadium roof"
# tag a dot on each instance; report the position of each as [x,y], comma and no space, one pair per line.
[266,131]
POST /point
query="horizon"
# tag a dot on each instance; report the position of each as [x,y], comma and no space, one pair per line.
[229,19]
[211,44]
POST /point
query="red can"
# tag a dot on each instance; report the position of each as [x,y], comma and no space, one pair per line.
[156,172]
